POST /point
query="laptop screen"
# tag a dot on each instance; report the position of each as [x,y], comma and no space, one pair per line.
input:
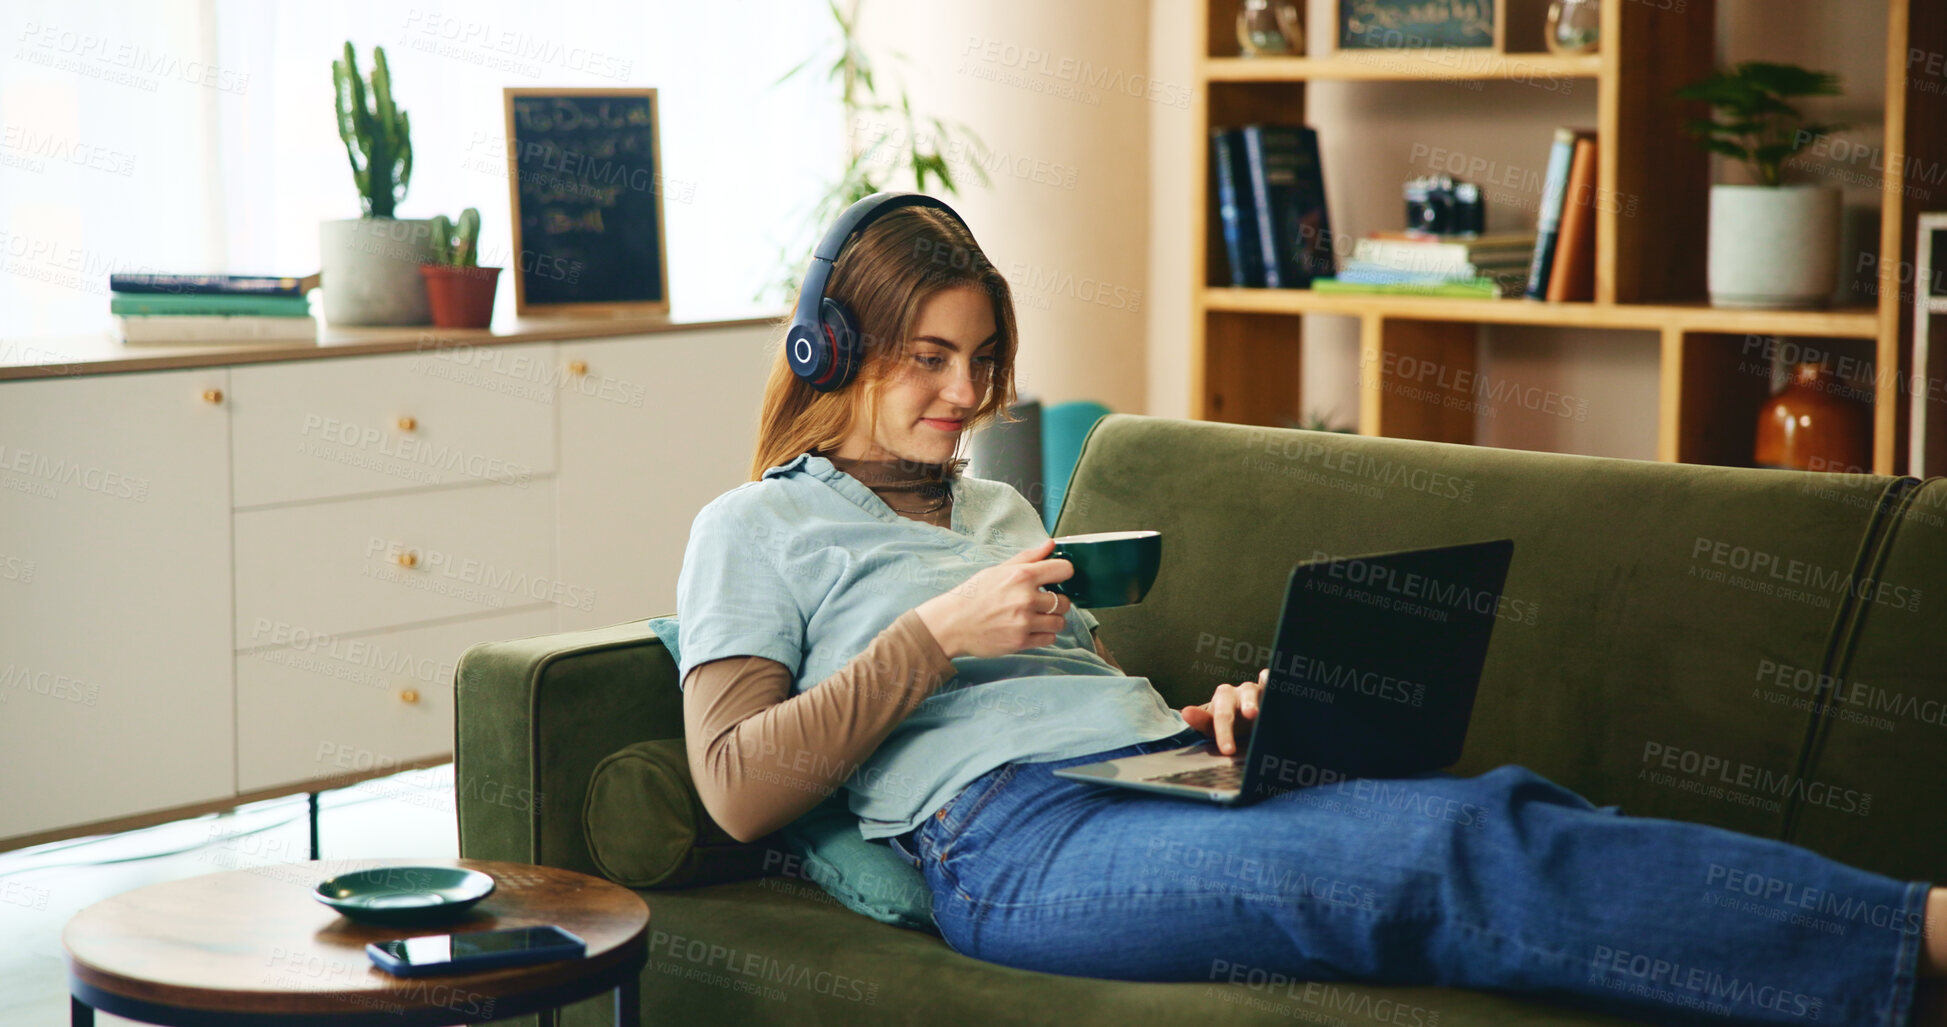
[1376,664]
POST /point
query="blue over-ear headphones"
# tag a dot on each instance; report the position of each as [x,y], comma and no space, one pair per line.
[825,344]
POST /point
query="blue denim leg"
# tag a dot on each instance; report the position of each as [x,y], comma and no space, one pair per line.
[1505,881]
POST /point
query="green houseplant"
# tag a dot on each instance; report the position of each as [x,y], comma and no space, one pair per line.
[884,137]
[1772,244]
[460,291]
[371,263]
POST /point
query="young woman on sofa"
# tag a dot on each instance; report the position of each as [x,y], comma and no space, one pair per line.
[860,615]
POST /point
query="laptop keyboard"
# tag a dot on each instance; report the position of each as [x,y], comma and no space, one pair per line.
[1228,776]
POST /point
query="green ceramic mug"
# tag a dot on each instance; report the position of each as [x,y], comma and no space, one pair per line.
[1112,568]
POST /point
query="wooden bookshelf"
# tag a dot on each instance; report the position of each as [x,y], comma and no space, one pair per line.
[1650,266]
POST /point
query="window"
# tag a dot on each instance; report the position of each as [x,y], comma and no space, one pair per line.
[199,136]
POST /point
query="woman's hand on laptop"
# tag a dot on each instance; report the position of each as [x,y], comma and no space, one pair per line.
[1229,712]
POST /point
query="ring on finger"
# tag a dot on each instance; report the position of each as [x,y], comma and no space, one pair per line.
[1056,605]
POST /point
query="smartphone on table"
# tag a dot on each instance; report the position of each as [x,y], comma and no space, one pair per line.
[474,950]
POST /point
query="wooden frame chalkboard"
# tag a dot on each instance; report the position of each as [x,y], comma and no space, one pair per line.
[585,195]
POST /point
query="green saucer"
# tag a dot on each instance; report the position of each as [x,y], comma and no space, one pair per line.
[405,895]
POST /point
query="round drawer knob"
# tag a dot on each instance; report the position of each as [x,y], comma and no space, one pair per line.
[409,695]
[212,395]
[407,558]
[407,424]
[577,367]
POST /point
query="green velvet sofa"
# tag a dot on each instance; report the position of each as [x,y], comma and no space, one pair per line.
[1672,637]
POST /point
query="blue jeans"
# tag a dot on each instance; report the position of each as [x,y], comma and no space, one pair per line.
[1505,881]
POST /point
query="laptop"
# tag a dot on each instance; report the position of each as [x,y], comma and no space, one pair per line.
[1373,674]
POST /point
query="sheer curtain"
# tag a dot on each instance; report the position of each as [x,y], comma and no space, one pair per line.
[198,136]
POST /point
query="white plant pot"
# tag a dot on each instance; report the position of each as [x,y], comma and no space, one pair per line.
[371,270]
[1773,246]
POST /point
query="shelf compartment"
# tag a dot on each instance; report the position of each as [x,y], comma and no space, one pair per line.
[1414,379]
[1844,322]
[1250,368]
[1402,66]
[1714,383]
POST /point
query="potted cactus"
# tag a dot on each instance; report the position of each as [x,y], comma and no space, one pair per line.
[371,263]
[460,290]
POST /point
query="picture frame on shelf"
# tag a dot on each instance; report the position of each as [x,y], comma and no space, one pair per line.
[1370,27]
[1397,25]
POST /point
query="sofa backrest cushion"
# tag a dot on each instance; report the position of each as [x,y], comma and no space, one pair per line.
[1643,603]
[1878,716]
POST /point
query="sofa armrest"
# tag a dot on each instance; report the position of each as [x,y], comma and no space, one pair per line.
[533,717]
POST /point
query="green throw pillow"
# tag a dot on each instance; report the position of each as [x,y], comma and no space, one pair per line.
[646,826]
[866,877]
[643,817]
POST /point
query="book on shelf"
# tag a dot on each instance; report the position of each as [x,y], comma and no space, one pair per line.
[208,303]
[1548,220]
[1511,280]
[192,329]
[249,285]
[1480,240]
[1571,278]
[1454,288]
[1440,257]
[1287,190]
[1236,211]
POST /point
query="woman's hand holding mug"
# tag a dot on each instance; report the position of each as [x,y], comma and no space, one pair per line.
[1003,608]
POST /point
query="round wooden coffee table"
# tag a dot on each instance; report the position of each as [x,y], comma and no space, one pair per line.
[248,947]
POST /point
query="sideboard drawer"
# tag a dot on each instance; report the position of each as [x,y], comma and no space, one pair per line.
[310,429]
[321,708]
[388,561]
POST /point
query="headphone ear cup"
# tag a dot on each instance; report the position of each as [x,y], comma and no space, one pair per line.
[847,342]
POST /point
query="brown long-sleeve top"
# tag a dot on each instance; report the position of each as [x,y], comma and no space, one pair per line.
[761,757]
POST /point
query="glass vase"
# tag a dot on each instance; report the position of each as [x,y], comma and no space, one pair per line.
[1574,26]
[1270,28]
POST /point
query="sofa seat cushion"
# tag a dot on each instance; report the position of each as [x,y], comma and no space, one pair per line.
[778,950]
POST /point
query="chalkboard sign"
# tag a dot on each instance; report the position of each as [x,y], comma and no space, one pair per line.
[585,182]
[1416,24]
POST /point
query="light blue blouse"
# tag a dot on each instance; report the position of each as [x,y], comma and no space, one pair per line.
[807,565]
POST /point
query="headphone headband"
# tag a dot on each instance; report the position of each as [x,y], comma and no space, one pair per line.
[824,344]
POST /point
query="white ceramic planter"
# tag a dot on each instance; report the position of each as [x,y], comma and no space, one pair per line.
[1773,247]
[371,271]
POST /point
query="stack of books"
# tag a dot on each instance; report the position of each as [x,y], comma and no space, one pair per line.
[186,309]
[1416,263]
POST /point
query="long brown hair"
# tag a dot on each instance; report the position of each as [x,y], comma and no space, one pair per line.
[885,273]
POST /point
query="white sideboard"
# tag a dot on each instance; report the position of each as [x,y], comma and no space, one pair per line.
[228,582]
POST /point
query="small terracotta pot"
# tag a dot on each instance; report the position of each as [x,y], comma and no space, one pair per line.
[1816,424]
[461,297]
